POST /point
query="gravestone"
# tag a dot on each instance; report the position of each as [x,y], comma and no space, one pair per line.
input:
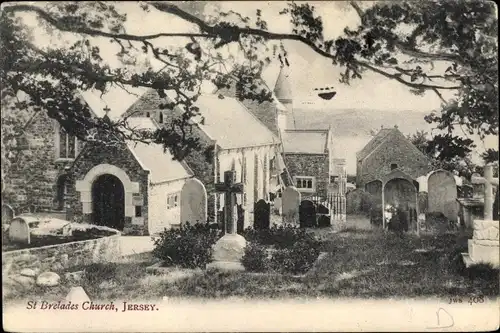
[307,214]
[290,203]
[278,206]
[322,209]
[442,194]
[193,202]
[324,221]
[262,215]
[7,213]
[19,231]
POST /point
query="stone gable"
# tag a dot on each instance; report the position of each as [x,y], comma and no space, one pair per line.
[315,165]
[394,149]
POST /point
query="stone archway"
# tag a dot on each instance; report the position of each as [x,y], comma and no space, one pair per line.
[108,202]
[84,186]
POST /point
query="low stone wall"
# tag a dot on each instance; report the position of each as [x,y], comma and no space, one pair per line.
[61,257]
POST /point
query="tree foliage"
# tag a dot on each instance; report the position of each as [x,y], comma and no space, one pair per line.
[427,46]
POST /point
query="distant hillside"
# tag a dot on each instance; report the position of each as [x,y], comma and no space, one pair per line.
[359,122]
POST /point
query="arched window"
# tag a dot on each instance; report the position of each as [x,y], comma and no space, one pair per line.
[66,144]
[161,118]
[148,114]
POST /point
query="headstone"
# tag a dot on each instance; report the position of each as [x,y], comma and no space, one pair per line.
[290,203]
[307,214]
[230,248]
[278,206]
[442,194]
[7,213]
[19,231]
[262,215]
[193,202]
[324,221]
[322,209]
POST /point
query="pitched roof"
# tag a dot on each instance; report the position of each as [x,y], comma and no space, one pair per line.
[283,89]
[231,125]
[305,141]
[374,143]
[225,120]
[154,158]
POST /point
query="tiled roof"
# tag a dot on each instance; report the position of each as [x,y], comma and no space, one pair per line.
[305,141]
[373,143]
[154,158]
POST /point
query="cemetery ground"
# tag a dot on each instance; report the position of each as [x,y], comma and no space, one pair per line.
[360,262]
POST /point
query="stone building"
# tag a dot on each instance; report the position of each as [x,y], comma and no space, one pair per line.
[132,187]
[388,150]
[240,142]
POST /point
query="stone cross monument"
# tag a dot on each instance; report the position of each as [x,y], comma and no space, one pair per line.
[488,182]
[229,249]
[484,247]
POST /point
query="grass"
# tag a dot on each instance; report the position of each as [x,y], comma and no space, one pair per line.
[359,263]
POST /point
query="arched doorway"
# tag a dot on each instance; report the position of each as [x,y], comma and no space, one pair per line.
[108,202]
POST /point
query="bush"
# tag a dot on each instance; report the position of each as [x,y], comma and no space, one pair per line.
[297,259]
[284,249]
[283,236]
[255,258]
[98,272]
[190,246]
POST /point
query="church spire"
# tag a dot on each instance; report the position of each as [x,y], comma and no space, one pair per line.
[283,89]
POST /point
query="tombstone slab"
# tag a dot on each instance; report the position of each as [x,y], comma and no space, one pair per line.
[307,214]
[442,194]
[278,206]
[262,215]
[19,231]
[193,202]
[290,203]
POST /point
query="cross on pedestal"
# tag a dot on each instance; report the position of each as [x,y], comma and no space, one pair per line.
[230,188]
[106,110]
[488,180]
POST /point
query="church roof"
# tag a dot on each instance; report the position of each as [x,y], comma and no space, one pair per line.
[305,141]
[231,124]
[374,143]
[283,89]
[225,120]
[153,157]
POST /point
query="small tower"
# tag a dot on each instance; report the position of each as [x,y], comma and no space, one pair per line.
[283,92]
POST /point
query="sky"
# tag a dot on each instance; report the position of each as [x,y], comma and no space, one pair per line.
[308,69]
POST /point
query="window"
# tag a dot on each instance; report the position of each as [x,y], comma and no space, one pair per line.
[305,183]
[161,118]
[62,191]
[394,166]
[148,114]
[138,211]
[67,145]
[173,200]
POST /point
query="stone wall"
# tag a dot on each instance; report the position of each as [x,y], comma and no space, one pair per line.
[395,149]
[121,157]
[61,257]
[315,165]
[32,178]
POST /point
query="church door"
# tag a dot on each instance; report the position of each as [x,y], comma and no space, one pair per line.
[108,200]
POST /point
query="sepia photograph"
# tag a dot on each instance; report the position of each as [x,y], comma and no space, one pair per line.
[250,166]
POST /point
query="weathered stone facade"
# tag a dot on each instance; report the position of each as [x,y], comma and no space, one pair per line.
[33,177]
[315,165]
[121,157]
[394,150]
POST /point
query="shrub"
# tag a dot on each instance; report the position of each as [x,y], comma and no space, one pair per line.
[283,236]
[189,246]
[255,258]
[292,250]
[98,272]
